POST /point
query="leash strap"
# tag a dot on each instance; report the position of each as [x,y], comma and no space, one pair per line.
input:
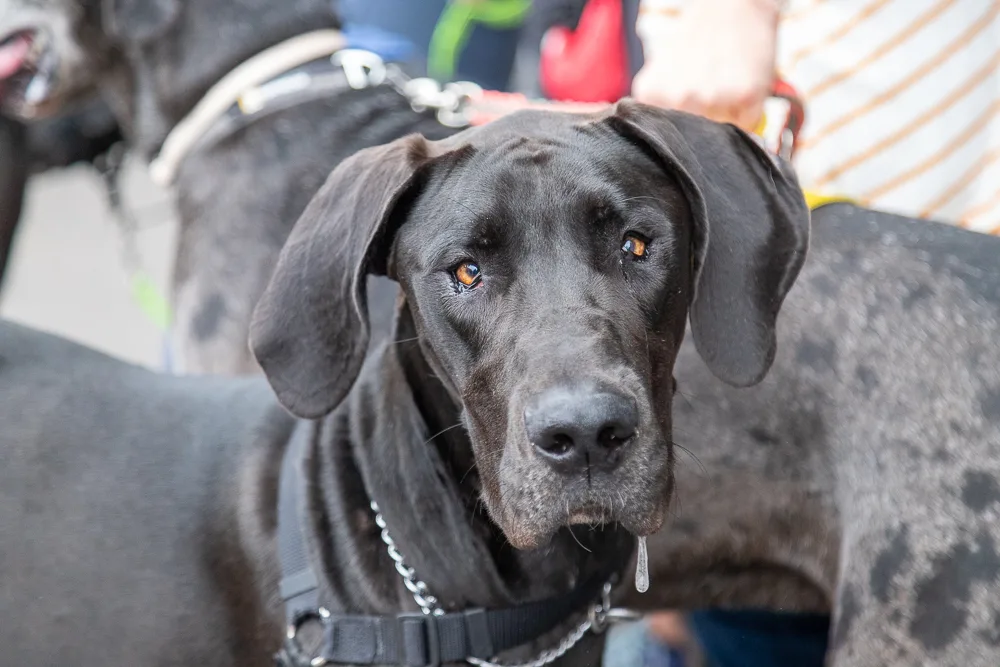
[299,587]
[408,639]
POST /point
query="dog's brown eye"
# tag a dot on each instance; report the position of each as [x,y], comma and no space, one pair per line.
[467,274]
[634,246]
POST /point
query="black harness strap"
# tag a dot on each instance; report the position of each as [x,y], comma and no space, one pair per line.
[420,639]
[408,639]
[299,587]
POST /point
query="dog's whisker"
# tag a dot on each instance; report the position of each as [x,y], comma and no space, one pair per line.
[406,340]
[458,203]
[471,468]
[441,432]
[688,398]
[687,451]
[641,197]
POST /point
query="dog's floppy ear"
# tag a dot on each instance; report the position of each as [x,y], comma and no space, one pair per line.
[751,230]
[139,20]
[310,328]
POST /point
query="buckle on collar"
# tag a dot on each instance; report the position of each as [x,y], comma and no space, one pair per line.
[419,640]
[293,652]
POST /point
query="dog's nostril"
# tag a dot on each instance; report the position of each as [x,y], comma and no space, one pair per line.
[556,444]
[614,435]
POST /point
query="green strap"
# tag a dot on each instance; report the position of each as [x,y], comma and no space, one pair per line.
[150,301]
[455,25]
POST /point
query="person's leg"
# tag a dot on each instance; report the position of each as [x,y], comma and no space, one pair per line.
[760,638]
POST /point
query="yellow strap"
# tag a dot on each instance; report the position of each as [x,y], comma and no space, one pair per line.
[814,199]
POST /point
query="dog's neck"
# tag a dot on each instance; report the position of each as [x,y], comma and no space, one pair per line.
[379,445]
[152,86]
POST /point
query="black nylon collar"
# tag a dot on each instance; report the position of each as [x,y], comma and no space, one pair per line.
[407,639]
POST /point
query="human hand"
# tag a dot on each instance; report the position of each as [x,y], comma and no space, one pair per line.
[716,59]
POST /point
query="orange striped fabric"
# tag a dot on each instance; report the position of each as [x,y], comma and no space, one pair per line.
[902,101]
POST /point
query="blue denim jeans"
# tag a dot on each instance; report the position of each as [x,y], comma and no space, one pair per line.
[760,638]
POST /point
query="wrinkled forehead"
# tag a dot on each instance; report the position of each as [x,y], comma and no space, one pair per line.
[540,186]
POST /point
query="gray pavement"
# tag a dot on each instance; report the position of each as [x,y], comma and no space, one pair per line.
[66,274]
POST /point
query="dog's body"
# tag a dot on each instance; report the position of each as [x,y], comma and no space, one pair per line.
[864,472]
[233,227]
[139,511]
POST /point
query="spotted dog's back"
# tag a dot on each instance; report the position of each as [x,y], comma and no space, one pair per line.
[864,472]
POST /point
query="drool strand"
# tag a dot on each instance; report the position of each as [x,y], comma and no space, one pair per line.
[642,568]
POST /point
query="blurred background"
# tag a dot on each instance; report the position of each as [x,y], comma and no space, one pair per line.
[65,274]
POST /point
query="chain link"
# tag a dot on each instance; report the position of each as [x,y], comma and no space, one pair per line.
[365,69]
[545,658]
[596,618]
[427,602]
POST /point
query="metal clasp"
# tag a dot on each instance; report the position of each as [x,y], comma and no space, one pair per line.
[291,633]
[363,69]
[602,615]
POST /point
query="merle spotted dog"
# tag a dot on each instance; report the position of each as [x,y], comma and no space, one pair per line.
[862,476]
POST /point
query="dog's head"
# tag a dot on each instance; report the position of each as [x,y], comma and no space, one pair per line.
[549,262]
[45,62]
[53,52]
[153,59]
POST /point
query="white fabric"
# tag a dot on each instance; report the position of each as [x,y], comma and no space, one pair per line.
[902,101]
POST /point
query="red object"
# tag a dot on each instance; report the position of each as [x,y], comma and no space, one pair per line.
[796,116]
[589,64]
[492,104]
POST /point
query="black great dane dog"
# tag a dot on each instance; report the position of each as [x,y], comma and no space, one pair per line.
[513,427]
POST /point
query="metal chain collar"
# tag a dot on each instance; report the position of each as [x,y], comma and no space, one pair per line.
[365,69]
[599,616]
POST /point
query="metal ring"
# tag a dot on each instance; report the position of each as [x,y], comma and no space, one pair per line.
[598,613]
[291,633]
[362,68]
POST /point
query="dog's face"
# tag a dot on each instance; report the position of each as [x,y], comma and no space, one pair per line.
[43,63]
[549,262]
[547,278]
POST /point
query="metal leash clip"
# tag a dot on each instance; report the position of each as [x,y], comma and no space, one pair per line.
[363,69]
[293,653]
[602,615]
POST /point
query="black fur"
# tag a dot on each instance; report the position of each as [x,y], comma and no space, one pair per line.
[137,512]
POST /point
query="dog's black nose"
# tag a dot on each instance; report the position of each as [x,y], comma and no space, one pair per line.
[573,428]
